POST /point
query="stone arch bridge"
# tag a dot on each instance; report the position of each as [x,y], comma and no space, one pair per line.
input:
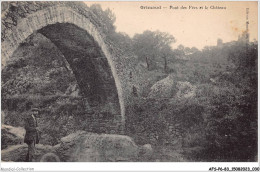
[98,76]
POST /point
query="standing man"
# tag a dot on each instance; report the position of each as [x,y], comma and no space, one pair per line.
[31,136]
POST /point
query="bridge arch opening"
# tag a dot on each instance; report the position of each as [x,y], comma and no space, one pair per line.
[86,60]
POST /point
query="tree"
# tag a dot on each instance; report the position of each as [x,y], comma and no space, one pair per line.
[178,53]
[123,41]
[181,47]
[187,51]
[194,50]
[166,52]
[106,17]
[150,45]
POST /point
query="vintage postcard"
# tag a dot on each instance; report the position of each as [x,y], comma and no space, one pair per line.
[129,81]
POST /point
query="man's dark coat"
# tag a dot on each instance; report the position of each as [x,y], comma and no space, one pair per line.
[31,132]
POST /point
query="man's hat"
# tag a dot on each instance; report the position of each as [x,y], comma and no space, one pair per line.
[35,109]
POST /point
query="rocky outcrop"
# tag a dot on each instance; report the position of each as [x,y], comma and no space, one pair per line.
[168,88]
[83,147]
[89,147]
[163,88]
[11,136]
[17,153]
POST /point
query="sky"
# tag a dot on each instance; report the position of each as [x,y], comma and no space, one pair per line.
[191,27]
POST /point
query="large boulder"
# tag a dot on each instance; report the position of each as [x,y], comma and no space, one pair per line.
[168,88]
[163,89]
[11,136]
[17,153]
[89,147]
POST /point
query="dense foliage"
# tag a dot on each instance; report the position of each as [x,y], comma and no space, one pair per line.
[232,124]
[220,122]
[150,46]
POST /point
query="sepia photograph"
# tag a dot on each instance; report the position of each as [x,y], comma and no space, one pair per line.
[129,81]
